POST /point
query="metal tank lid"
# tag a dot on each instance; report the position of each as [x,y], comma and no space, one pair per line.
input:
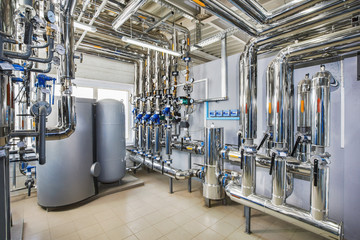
[305,84]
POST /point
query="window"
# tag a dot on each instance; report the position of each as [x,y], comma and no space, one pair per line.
[120,96]
[79,92]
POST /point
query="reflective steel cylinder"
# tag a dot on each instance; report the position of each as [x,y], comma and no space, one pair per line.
[249,93]
[320,108]
[157,143]
[320,191]
[212,189]
[6,106]
[248,174]
[148,139]
[303,105]
[269,96]
[279,181]
[141,137]
[168,141]
[280,103]
[7,9]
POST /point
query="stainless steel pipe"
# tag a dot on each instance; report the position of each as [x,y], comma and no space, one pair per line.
[326,228]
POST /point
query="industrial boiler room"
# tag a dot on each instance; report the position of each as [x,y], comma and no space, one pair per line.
[179,119]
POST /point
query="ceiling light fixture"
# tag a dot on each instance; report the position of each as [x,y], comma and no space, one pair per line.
[150,46]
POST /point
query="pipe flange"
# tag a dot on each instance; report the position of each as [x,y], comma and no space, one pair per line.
[35,108]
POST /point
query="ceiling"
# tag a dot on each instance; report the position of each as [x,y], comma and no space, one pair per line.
[208,25]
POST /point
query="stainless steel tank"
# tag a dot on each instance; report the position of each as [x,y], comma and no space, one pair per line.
[66,177]
[320,94]
[303,105]
[110,140]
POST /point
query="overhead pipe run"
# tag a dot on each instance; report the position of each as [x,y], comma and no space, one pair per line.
[129,10]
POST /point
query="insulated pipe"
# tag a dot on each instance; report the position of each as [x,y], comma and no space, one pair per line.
[248,93]
[42,132]
[129,10]
[165,169]
[223,12]
[298,217]
[224,68]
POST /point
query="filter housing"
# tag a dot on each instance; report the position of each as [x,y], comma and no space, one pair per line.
[110,140]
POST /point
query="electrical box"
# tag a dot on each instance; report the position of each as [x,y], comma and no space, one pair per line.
[226,113]
[212,113]
[219,113]
[234,113]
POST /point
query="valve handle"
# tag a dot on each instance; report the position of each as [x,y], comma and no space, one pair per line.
[241,158]
[298,139]
[262,141]
[239,140]
[272,163]
[316,170]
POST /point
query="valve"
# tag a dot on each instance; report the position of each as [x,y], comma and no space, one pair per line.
[42,79]
[29,182]
[298,140]
[316,172]
[266,135]
[272,163]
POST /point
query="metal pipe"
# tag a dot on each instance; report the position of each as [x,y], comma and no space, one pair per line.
[299,217]
[224,68]
[42,131]
[159,22]
[128,11]
[165,169]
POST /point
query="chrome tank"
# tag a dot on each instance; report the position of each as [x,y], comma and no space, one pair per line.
[212,189]
[320,98]
[66,178]
[303,105]
[6,106]
[110,140]
[7,8]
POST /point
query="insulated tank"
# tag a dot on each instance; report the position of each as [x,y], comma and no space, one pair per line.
[110,140]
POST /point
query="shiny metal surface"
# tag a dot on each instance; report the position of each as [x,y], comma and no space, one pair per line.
[110,140]
[68,62]
[303,105]
[327,228]
[6,106]
[129,10]
[214,141]
[66,177]
[279,183]
[320,108]
[157,145]
[269,96]
[319,199]
[7,8]
[248,93]
[148,141]
[141,136]
[248,180]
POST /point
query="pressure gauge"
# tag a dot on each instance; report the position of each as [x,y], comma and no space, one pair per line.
[172,88]
[191,101]
[50,16]
[60,49]
[192,80]
[56,61]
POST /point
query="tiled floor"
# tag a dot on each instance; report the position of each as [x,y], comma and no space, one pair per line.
[150,212]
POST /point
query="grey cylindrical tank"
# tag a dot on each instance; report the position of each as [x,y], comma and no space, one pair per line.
[110,140]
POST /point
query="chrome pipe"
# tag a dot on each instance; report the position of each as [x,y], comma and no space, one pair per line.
[212,189]
[224,68]
[248,93]
[326,228]
[127,12]
[141,137]
[157,145]
[248,181]
[190,147]
[148,142]
[320,108]
[168,141]
[279,183]
[164,168]
[303,105]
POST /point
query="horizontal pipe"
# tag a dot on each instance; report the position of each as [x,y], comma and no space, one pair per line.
[163,168]
[299,217]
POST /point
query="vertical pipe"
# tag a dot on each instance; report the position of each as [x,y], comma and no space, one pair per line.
[279,181]
[248,174]
[148,139]
[42,138]
[319,189]
[224,68]
[157,140]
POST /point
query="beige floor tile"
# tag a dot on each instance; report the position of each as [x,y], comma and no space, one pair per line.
[166,226]
[207,220]
[71,236]
[90,231]
[111,223]
[155,217]
[132,237]
[209,234]
[179,234]
[181,218]
[84,222]
[138,225]
[303,234]
[150,233]
[194,227]
[102,236]
[30,228]
[105,215]
[44,235]
[118,233]
[240,234]
[62,229]
[224,228]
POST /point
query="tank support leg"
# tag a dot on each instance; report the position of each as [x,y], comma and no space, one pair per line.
[171,186]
